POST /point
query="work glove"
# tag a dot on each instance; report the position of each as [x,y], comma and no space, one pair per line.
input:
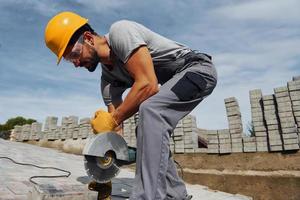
[103,122]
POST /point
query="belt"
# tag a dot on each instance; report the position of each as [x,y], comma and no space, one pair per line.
[195,56]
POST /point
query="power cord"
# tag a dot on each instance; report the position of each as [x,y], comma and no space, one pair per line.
[181,170]
[34,177]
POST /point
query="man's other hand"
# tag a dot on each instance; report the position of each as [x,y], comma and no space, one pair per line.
[103,121]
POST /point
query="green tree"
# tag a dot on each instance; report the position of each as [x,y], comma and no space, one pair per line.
[11,123]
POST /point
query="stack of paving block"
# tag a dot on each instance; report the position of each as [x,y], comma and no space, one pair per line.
[64,128]
[260,129]
[129,128]
[36,129]
[72,125]
[178,137]
[249,144]
[294,91]
[213,141]
[235,124]
[190,133]
[26,129]
[84,128]
[18,133]
[286,118]
[224,141]
[50,127]
[272,122]
[57,133]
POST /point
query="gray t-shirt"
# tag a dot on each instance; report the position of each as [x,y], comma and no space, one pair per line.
[123,38]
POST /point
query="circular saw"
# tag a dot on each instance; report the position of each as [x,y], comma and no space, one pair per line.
[104,154]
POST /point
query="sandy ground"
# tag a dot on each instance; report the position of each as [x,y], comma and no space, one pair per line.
[14,182]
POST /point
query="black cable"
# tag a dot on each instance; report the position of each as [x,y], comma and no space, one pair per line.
[34,177]
[179,167]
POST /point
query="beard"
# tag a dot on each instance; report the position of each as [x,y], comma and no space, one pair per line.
[92,63]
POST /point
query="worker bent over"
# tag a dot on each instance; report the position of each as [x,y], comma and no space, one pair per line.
[132,56]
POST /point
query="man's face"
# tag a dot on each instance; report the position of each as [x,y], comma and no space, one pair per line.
[82,54]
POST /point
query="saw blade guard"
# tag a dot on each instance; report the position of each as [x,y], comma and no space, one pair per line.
[98,145]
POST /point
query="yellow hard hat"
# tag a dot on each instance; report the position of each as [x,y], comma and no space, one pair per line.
[59,31]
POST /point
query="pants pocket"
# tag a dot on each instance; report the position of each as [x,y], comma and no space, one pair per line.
[189,86]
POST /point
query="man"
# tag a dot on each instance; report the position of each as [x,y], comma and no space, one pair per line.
[132,56]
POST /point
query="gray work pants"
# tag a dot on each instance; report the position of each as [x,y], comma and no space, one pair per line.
[156,176]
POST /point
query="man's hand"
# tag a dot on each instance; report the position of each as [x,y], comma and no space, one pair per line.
[103,121]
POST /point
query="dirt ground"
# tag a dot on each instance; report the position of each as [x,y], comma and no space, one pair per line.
[263,176]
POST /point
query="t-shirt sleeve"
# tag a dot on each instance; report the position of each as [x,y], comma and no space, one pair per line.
[111,94]
[125,37]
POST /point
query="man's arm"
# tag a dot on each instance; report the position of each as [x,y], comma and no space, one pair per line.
[140,67]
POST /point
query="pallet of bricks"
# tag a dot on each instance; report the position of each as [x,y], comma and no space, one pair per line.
[178,138]
[50,128]
[259,127]
[286,114]
[272,123]
[286,118]
[235,124]
[190,132]
[213,142]
[294,91]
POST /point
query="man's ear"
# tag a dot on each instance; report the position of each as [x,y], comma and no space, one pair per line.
[88,37]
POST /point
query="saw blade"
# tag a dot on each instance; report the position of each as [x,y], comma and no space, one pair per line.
[98,172]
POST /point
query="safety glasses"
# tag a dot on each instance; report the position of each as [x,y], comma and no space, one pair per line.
[75,53]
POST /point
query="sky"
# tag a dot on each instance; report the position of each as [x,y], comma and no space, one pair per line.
[255,44]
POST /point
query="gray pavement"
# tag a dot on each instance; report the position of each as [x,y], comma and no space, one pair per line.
[14,183]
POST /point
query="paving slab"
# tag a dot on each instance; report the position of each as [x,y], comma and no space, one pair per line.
[14,183]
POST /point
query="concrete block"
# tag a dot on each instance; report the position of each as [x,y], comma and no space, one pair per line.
[232,104]
[261,139]
[255,92]
[200,150]
[224,141]
[230,99]
[260,123]
[249,149]
[269,107]
[260,133]
[280,89]
[235,132]
[259,119]
[276,148]
[291,141]
[225,151]
[213,146]
[268,98]
[275,142]
[249,139]
[273,127]
[189,150]
[290,135]
[212,151]
[260,128]
[291,147]
[262,149]
[288,125]
[232,113]
[289,130]
[294,87]
[236,140]
[272,122]
[237,150]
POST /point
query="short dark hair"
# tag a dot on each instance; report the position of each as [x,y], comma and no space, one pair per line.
[79,32]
